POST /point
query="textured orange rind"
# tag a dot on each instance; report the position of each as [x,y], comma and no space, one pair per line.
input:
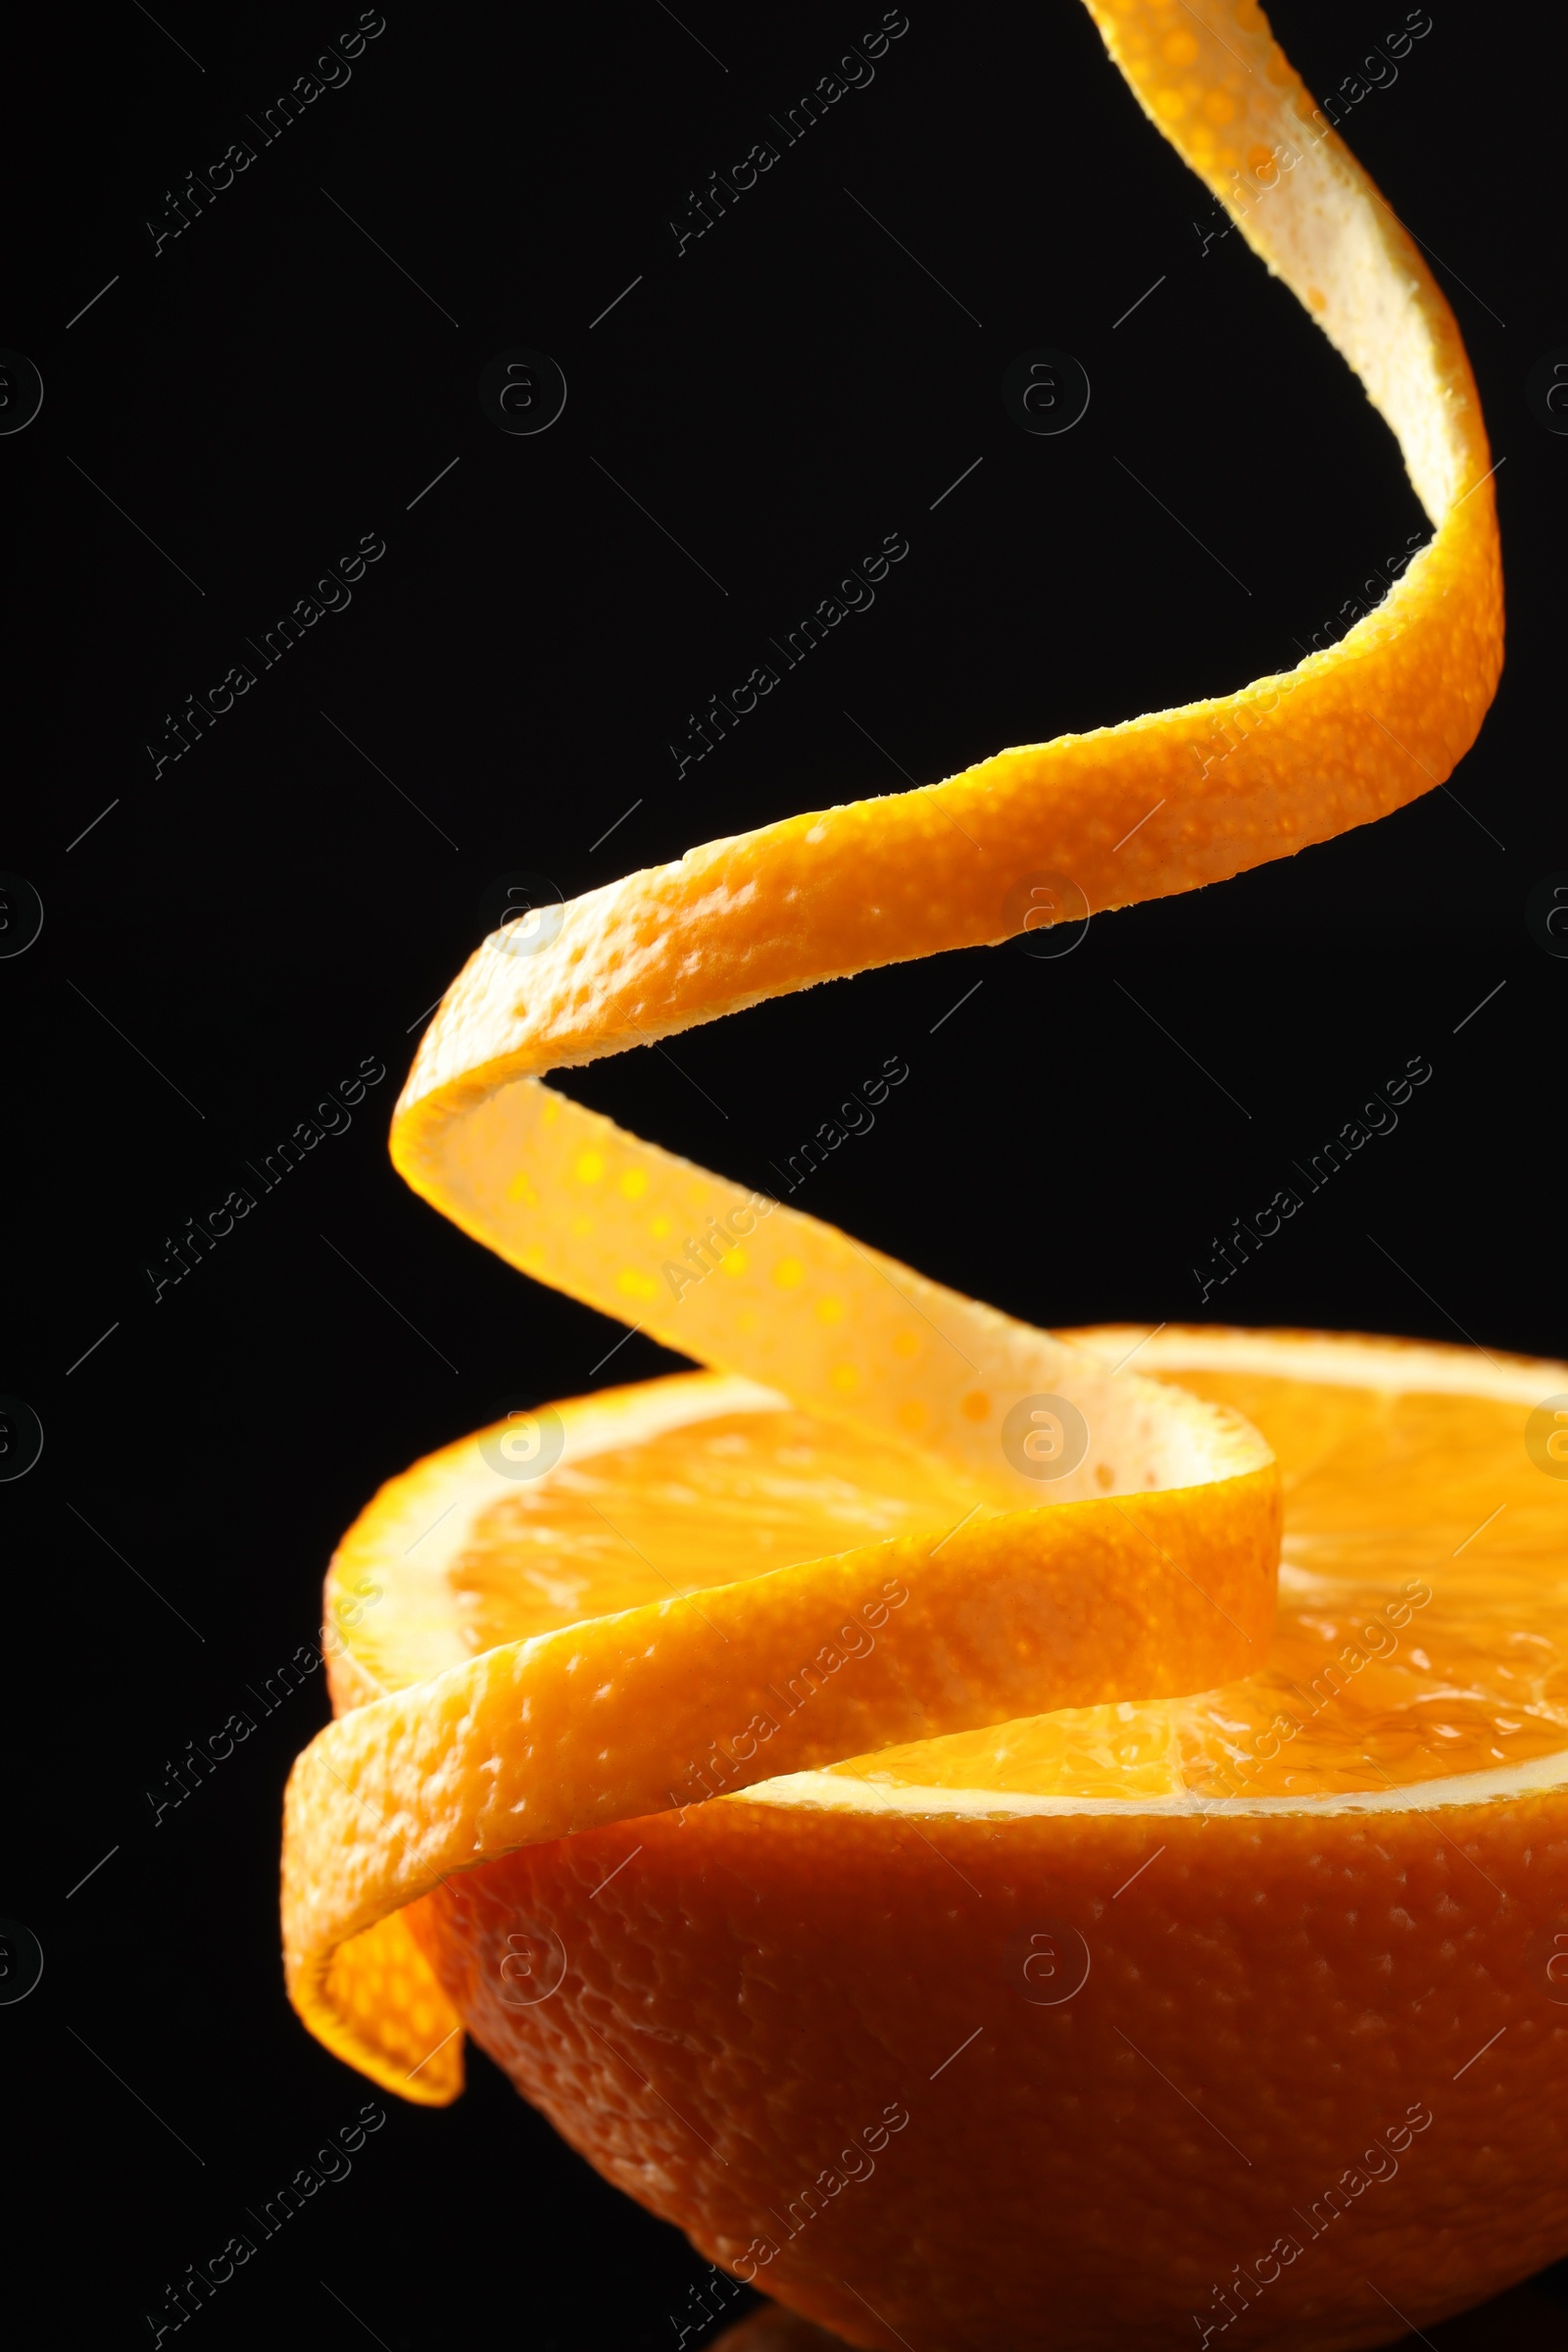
[413,1784]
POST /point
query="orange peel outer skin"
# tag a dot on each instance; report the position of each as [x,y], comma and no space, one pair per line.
[602,1721]
[1350,734]
[747,1997]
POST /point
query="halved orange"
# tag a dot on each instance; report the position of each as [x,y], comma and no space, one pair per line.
[887,1516]
[516,1662]
[1081,2026]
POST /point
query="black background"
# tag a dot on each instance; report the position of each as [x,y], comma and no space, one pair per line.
[238,931]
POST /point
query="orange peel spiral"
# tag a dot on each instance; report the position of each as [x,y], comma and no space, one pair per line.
[1022,1606]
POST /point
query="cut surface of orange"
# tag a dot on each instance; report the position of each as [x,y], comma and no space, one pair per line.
[886,1515]
[1422,1629]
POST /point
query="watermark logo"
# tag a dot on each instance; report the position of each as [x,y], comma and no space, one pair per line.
[20,1438]
[20,392]
[1548,1961]
[532,1968]
[520,912]
[21,1961]
[523,391]
[1046,391]
[1047,914]
[1045,1436]
[1376,1637]
[1048,1965]
[20,915]
[1379,1116]
[527,1442]
[1546,391]
[1546,1437]
[1546,909]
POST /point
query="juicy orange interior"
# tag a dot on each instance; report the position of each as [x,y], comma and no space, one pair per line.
[1420,1543]
[693,1506]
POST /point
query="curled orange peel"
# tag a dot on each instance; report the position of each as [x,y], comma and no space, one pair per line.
[1022,1605]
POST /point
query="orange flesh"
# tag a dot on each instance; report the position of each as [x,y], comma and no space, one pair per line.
[1378,1497]
[770,1490]
[1375,1502]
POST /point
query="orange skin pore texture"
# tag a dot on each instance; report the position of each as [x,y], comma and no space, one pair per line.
[761,1984]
